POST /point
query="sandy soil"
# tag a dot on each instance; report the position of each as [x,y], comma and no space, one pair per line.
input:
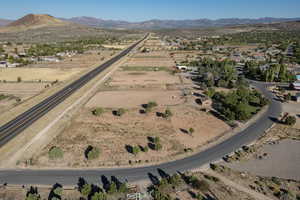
[111,133]
[152,59]
[287,162]
[35,74]
[78,61]
[133,99]
[122,78]
[16,91]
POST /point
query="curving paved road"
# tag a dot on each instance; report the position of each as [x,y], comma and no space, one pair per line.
[70,177]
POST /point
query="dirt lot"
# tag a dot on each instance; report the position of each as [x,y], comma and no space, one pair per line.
[133,128]
[16,91]
[78,61]
[134,99]
[152,59]
[125,78]
[36,74]
[129,88]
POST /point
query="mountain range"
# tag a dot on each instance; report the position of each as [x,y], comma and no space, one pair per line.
[174,24]
[150,24]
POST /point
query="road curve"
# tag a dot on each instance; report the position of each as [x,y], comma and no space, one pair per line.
[70,177]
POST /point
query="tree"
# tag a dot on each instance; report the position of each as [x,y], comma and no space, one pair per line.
[191,131]
[123,188]
[19,79]
[58,191]
[135,150]
[112,188]
[120,111]
[210,92]
[86,189]
[290,120]
[55,153]
[167,113]
[97,111]
[99,196]
[92,152]
[33,197]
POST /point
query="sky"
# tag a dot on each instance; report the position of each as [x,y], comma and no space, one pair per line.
[140,10]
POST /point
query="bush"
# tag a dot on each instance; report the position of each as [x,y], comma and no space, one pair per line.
[290,120]
[99,196]
[135,150]
[191,131]
[157,146]
[120,111]
[58,191]
[19,79]
[33,197]
[92,153]
[156,140]
[86,189]
[55,153]
[97,111]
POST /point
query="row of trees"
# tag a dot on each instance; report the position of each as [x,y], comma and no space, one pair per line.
[269,73]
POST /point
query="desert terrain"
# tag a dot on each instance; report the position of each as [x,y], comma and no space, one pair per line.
[144,78]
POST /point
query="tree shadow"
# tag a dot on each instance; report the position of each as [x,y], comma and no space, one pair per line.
[159,114]
[150,139]
[105,183]
[52,193]
[275,120]
[86,152]
[116,181]
[129,148]
[184,130]
[151,145]
[163,174]
[153,179]
[81,182]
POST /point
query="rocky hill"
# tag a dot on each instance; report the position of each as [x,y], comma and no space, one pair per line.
[33,21]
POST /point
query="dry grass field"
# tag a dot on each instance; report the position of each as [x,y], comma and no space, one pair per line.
[36,74]
[134,99]
[129,88]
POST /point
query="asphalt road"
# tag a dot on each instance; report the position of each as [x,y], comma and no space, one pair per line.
[70,177]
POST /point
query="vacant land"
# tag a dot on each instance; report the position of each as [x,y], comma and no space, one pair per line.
[123,79]
[185,130]
[17,92]
[36,74]
[152,59]
[84,60]
[134,99]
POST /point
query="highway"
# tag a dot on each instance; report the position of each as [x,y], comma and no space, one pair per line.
[70,177]
[14,127]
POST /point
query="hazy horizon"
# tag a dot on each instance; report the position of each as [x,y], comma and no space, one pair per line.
[143,10]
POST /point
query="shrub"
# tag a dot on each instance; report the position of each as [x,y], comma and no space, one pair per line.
[120,111]
[199,185]
[86,189]
[135,150]
[156,140]
[167,113]
[191,131]
[157,146]
[290,120]
[55,153]
[145,149]
[112,188]
[97,111]
[58,191]
[33,197]
[92,153]
[99,196]
[19,79]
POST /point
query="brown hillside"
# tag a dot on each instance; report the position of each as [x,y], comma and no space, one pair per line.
[32,21]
